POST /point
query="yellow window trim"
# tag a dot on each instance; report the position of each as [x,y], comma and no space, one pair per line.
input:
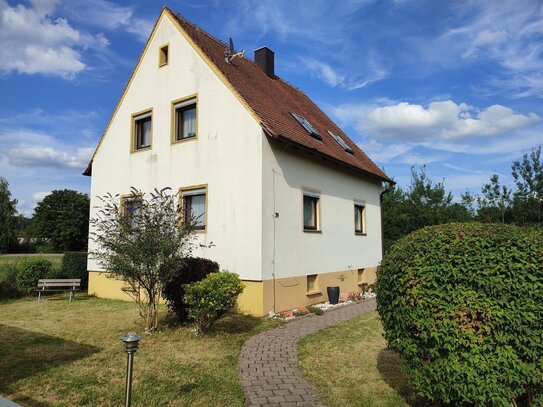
[362,203]
[133,143]
[172,119]
[160,54]
[124,197]
[191,188]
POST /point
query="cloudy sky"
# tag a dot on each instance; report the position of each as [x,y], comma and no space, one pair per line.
[453,85]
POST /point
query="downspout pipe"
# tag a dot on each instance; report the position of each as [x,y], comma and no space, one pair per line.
[381,198]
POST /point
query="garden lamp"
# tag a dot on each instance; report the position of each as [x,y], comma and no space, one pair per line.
[131,343]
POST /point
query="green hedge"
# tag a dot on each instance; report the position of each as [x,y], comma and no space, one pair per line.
[463,306]
[30,271]
[74,265]
[212,297]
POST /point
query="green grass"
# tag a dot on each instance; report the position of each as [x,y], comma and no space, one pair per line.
[58,353]
[351,366]
[15,259]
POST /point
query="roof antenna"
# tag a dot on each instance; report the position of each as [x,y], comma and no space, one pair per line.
[230,52]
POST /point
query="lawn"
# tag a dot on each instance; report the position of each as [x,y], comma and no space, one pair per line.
[54,258]
[58,353]
[351,366]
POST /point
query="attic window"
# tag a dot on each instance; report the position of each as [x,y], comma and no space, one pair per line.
[306,125]
[341,142]
[163,55]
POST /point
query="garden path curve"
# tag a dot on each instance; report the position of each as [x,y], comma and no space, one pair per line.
[268,364]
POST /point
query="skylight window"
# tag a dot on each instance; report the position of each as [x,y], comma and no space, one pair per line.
[341,142]
[303,121]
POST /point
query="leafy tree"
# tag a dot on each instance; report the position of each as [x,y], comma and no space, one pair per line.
[528,175]
[8,218]
[143,241]
[63,218]
[495,201]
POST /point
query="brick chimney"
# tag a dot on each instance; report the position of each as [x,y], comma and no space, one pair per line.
[264,58]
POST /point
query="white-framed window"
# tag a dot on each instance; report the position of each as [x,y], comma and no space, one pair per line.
[194,204]
[142,130]
[311,210]
[360,218]
[185,118]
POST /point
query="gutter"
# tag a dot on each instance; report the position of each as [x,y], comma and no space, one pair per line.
[381,197]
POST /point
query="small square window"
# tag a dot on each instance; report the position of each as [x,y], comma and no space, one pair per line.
[194,207]
[142,130]
[184,120]
[360,275]
[359,219]
[311,211]
[312,283]
[163,55]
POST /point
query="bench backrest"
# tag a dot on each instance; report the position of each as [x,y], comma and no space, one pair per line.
[63,282]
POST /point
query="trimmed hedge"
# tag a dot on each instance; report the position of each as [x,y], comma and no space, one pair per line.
[211,298]
[463,305]
[192,269]
[30,271]
[74,265]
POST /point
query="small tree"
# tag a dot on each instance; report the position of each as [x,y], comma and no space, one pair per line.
[8,219]
[141,239]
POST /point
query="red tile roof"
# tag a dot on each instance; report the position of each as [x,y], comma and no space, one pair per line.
[273,100]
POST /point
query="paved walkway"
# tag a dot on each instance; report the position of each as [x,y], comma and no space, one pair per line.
[268,364]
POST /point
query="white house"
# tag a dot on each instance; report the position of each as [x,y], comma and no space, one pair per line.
[290,202]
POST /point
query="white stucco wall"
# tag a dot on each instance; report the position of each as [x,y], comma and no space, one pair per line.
[337,248]
[226,156]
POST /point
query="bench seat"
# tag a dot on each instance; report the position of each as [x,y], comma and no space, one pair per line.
[58,285]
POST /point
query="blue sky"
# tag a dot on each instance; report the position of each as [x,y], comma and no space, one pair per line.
[454,85]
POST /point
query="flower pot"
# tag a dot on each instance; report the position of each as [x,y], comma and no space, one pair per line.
[333,294]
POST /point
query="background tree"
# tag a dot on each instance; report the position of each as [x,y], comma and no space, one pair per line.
[143,241]
[63,218]
[8,217]
[528,197]
[495,201]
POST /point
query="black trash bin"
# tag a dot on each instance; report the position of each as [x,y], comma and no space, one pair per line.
[333,294]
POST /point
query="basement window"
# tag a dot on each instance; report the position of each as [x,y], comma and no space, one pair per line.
[306,125]
[163,55]
[312,283]
[341,142]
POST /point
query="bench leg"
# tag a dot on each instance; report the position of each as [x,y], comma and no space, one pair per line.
[39,296]
[71,295]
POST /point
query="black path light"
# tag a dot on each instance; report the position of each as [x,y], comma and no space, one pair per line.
[131,343]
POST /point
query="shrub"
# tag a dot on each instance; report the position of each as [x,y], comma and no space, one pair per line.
[8,281]
[315,310]
[30,271]
[191,270]
[212,297]
[463,305]
[74,265]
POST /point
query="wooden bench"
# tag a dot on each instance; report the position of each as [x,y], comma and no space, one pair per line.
[58,285]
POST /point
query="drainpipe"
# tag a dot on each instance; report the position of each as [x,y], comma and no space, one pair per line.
[381,196]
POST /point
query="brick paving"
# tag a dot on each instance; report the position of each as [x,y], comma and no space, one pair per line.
[268,364]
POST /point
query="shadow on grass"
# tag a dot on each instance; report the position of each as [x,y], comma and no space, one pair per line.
[389,365]
[24,353]
[233,323]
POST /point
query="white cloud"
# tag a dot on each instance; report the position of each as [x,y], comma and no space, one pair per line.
[442,120]
[38,196]
[41,156]
[32,42]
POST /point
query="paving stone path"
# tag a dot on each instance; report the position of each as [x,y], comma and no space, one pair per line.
[268,364]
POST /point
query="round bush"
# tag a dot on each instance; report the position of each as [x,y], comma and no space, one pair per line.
[30,271]
[212,297]
[463,305]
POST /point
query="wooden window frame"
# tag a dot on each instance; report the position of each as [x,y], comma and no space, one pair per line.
[174,122]
[361,207]
[142,115]
[316,195]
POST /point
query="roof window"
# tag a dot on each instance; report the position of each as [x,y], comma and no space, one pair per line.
[303,121]
[341,142]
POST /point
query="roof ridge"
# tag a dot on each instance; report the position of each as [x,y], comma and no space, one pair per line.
[176,14]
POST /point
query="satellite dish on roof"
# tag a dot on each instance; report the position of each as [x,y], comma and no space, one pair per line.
[230,52]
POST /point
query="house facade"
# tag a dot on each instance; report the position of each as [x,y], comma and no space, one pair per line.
[281,195]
